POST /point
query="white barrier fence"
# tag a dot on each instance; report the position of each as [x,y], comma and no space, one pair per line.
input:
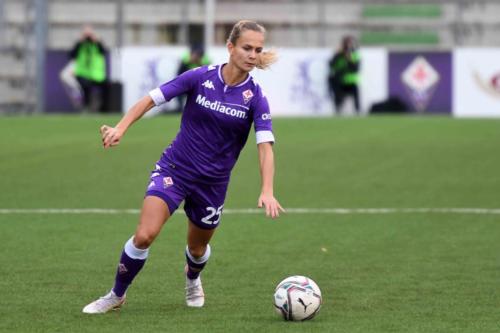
[297,84]
[476,82]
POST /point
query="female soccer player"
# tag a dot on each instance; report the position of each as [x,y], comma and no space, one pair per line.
[223,101]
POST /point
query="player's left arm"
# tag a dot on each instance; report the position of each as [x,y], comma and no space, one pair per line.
[266,198]
[265,139]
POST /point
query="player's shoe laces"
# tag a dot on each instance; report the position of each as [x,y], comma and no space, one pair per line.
[194,293]
[105,304]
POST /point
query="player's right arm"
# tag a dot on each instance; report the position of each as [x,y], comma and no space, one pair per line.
[111,136]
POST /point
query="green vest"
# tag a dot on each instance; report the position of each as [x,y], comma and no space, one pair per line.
[90,63]
[205,60]
[340,66]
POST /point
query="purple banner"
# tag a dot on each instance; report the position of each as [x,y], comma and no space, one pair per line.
[56,98]
[56,94]
[422,80]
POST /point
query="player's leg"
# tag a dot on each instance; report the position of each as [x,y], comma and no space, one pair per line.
[86,92]
[197,255]
[154,213]
[339,97]
[355,94]
[198,249]
[96,97]
[203,208]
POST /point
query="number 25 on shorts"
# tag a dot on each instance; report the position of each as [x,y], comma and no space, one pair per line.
[213,212]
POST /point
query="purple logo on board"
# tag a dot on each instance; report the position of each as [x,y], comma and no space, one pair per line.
[420,79]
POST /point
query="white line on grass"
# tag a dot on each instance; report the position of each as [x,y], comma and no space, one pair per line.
[338,211]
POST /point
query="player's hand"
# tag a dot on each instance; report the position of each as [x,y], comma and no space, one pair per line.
[271,205]
[111,136]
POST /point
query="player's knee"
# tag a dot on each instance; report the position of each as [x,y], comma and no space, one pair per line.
[143,240]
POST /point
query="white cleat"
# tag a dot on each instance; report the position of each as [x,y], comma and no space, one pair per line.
[105,304]
[194,293]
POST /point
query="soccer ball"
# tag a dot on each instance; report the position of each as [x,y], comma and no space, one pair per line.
[297,298]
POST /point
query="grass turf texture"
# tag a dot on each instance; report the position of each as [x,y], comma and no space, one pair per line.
[379,273]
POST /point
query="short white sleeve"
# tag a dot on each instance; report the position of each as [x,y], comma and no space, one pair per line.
[264,136]
[157,96]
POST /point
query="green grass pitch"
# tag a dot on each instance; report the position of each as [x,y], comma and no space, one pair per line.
[397,272]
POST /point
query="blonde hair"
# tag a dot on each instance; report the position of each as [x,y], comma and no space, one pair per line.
[266,58]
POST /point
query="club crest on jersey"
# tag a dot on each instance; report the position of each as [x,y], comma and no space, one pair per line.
[167,182]
[247,95]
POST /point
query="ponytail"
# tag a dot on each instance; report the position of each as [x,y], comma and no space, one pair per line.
[266,59]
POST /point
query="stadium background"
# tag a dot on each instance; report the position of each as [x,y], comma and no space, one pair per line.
[456,38]
[395,216]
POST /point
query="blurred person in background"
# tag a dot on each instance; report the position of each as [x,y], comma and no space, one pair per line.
[196,57]
[343,78]
[89,57]
[223,102]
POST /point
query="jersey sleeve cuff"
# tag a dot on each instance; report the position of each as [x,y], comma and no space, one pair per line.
[264,136]
[157,96]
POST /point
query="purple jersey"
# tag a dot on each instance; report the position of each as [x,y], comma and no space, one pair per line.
[215,123]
